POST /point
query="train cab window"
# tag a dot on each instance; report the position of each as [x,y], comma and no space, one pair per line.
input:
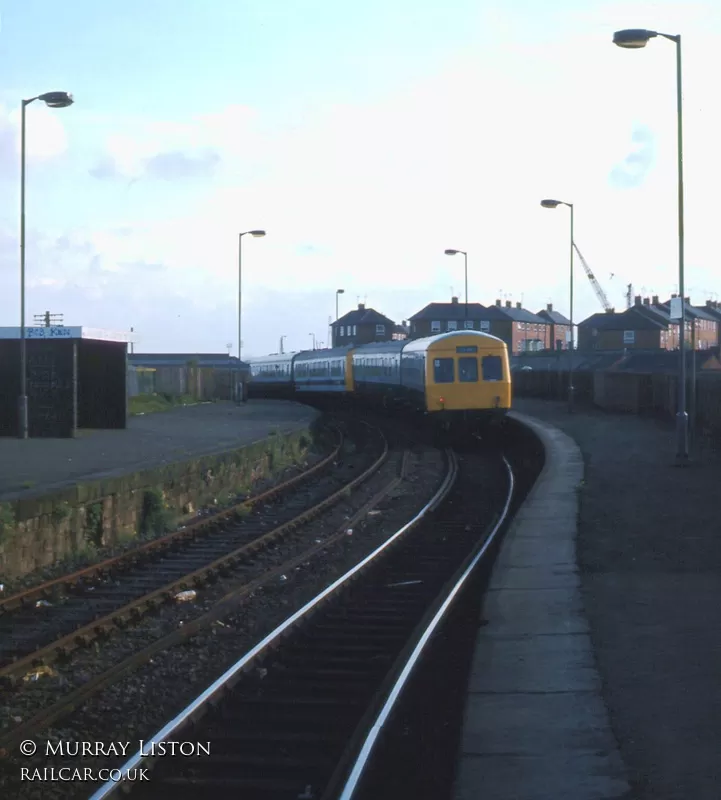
[492,368]
[443,370]
[468,369]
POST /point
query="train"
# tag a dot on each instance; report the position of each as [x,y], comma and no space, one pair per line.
[453,376]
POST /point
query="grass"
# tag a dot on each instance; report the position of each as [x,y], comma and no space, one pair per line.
[152,403]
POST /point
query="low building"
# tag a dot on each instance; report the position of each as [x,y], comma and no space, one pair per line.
[560,328]
[362,326]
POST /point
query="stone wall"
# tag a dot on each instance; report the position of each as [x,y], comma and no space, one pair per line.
[38,531]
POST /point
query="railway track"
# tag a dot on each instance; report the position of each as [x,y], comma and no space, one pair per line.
[305,724]
[125,589]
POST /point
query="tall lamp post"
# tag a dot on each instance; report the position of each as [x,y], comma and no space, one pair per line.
[465,260]
[634,39]
[335,338]
[555,204]
[240,301]
[53,100]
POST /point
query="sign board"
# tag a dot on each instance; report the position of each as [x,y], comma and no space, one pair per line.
[676,307]
[568,337]
[49,333]
[629,337]
[64,332]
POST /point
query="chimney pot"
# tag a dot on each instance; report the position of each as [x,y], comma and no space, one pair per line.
[688,300]
[454,300]
[498,303]
[655,300]
[518,305]
[509,304]
[646,301]
[361,306]
[549,307]
[637,300]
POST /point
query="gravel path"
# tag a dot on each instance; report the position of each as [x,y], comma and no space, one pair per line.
[649,549]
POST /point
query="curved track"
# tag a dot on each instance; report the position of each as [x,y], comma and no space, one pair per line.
[331,671]
[33,636]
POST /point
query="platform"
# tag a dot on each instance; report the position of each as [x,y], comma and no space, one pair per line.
[35,466]
[536,726]
[643,578]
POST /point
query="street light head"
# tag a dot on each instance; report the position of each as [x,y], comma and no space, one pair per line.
[257,233]
[451,252]
[633,39]
[340,291]
[57,99]
[551,203]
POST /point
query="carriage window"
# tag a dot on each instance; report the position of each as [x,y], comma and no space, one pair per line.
[468,370]
[443,370]
[492,369]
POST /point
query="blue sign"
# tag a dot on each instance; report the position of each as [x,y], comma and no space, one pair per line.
[48,333]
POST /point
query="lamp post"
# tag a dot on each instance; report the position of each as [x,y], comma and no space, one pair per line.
[555,204]
[334,332]
[53,100]
[313,335]
[465,260]
[240,301]
[634,39]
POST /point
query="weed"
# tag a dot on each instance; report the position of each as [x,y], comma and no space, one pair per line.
[94,524]
[156,518]
[7,521]
[60,513]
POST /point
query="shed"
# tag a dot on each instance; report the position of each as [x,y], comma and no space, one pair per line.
[76,378]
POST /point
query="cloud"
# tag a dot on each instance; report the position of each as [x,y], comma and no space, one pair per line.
[174,165]
[45,137]
[634,168]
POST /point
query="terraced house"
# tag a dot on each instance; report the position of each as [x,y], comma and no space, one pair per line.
[362,326]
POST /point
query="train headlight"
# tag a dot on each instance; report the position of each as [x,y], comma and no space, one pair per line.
[442,400]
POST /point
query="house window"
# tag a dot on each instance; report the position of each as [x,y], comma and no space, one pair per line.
[436,326]
[380,330]
[629,337]
[452,325]
[342,330]
[355,330]
[520,326]
[443,370]
[468,324]
[485,325]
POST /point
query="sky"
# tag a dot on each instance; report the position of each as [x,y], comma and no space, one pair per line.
[365,138]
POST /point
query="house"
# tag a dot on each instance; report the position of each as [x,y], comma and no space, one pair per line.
[560,328]
[400,332]
[635,328]
[701,325]
[362,326]
[443,317]
[521,330]
[714,311]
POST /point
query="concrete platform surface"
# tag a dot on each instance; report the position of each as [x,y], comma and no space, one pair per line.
[35,466]
[536,726]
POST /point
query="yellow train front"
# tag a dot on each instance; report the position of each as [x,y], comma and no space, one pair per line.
[459,375]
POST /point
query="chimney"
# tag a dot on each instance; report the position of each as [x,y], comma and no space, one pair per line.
[361,307]
[549,307]
[688,300]
[518,305]
[655,300]
[674,296]
[509,304]
[498,303]
[454,300]
[646,301]
[637,300]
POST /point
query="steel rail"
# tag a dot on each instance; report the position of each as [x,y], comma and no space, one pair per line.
[190,531]
[360,764]
[225,606]
[115,619]
[196,709]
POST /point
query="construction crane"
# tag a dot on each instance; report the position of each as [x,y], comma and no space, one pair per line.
[596,285]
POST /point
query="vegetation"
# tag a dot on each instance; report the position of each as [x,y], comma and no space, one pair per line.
[94,525]
[156,518]
[151,403]
[7,521]
[60,513]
